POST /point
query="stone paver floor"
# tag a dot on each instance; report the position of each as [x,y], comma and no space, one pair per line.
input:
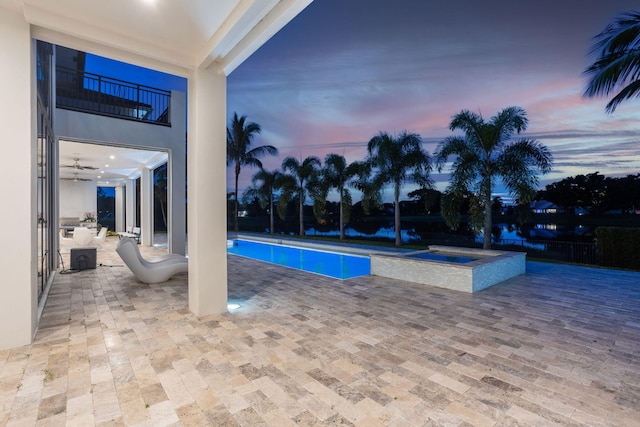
[557,346]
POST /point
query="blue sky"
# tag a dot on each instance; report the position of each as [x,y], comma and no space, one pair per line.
[344,70]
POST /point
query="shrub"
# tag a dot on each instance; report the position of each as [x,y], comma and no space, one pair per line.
[618,247]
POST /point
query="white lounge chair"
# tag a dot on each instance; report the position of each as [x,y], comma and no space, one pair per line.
[153,270]
[101,238]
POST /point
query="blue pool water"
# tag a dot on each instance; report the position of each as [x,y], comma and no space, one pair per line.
[339,266]
[458,259]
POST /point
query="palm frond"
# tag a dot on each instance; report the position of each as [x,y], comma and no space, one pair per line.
[618,61]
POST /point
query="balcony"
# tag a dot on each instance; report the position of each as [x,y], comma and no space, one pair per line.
[96,94]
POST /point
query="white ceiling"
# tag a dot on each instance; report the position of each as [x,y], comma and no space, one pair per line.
[174,36]
[115,164]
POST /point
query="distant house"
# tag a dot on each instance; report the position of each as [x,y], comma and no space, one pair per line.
[545,207]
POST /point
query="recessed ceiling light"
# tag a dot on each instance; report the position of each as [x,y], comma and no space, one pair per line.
[100,176]
[101,171]
[106,166]
[112,157]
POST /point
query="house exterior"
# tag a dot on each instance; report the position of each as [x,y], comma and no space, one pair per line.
[545,207]
[201,41]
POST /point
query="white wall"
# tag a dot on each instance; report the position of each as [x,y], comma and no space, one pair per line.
[76,198]
[18,294]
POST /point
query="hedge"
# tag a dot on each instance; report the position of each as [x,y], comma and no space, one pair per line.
[618,247]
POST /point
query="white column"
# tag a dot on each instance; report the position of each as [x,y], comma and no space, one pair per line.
[146,206]
[207,214]
[120,208]
[176,193]
[130,203]
[18,304]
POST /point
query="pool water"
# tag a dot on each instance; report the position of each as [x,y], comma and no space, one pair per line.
[458,259]
[333,264]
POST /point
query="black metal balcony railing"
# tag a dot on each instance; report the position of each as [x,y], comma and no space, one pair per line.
[94,93]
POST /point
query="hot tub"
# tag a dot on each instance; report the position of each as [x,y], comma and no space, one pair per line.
[461,269]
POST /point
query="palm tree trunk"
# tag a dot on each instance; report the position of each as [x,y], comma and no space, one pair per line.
[487,216]
[396,214]
[236,196]
[301,213]
[341,217]
[271,227]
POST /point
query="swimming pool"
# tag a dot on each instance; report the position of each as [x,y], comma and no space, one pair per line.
[333,264]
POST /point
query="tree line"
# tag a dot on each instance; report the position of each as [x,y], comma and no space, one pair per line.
[595,194]
[487,152]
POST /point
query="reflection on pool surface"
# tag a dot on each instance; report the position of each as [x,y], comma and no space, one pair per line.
[458,259]
[333,264]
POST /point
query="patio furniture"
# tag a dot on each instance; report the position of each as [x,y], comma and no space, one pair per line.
[153,270]
[132,232]
[82,236]
[66,242]
[101,238]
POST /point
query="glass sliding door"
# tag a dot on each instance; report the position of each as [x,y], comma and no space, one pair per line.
[160,205]
[46,228]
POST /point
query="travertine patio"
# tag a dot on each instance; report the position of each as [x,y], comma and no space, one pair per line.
[559,345]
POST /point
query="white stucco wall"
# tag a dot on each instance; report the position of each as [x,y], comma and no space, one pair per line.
[18,295]
[76,198]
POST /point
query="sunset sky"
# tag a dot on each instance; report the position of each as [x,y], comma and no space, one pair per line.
[344,70]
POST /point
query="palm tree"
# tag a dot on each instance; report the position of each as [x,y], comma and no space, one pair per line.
[337,174]
[303,173]
[239,151]
[617,67]
[395,161]
[485,154]
[265,184]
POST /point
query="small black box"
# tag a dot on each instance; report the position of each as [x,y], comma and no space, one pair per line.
[83,258]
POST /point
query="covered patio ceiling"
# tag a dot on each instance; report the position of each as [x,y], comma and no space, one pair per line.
[170,36]
[113,164]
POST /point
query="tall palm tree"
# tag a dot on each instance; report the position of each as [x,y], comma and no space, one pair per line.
[265,184]
[304,172]
[239,152]
[485,154]
[617,67]
[395,161]
[337,174]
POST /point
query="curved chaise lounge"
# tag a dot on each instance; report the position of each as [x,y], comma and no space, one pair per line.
[153,270]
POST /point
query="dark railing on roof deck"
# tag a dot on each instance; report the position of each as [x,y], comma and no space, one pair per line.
[97,94]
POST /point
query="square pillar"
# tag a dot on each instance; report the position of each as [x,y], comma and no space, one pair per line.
[146,206]
[120,208]
[130,203]
[18,287]
[207,213]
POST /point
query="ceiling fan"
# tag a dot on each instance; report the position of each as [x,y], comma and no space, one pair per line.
[76,165]
[76,179]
